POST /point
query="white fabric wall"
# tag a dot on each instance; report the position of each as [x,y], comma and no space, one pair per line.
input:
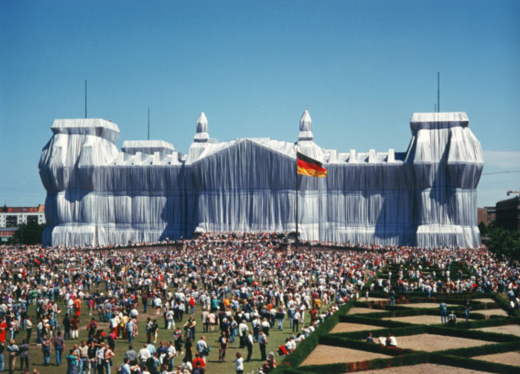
[426,196]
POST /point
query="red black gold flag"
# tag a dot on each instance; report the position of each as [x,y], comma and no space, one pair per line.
[309,166]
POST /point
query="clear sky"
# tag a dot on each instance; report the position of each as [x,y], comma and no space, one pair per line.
[363,67]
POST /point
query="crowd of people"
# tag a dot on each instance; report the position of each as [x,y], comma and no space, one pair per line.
[242,285]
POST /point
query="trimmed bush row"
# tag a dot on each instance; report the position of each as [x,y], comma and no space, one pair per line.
[472,364]
[484,323]
[324,369]
[472,334]
[484,350]
[307,346]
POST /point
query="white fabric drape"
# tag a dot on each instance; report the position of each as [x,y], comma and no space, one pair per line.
[97,195]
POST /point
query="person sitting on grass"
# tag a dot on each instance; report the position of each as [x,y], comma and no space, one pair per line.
[452,318]
[391,341]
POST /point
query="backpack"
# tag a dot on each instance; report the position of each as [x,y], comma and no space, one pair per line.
[196,371]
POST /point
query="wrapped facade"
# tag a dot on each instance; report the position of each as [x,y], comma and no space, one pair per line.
[98,195]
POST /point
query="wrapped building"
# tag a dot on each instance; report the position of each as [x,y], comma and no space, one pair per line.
[98,195]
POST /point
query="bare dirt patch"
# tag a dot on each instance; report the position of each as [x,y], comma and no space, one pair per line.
[506,329]
[424,306]
[418,320]
[432,343]
[365,310]
[508,358]
[486,301]
[374,299]
[351,327]
[492,312]
[424,369]
[328,354]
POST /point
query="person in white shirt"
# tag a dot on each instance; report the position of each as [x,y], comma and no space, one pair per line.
[144,354]
[172,352]
[391,341]
[169,319]
[239,361]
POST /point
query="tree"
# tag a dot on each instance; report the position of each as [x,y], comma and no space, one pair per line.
[504,242]
[28,233]
[483,229]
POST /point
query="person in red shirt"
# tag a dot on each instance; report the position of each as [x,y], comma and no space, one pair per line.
[199,360]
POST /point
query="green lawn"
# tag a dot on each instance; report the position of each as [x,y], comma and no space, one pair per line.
[276,338]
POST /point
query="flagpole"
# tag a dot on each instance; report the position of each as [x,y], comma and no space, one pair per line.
[296,192]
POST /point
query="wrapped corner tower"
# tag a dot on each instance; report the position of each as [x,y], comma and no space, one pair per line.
[97,195]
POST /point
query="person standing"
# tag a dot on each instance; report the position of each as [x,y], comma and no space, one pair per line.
[59,346]
[2,349]
[100,358]
[92,357]
[444,312]
[177,339]
[296,321]
[131,355]
[467,308]
[13,351]
[155,331]
[172,352]
[188,357]
[3,329]
[130,325]
[109,353]
[72,362]
[66,325]
[83,357]
[144,298]
[202,348]
[24,355]
[46,350]
[91,328]
[262,341]
[392,297]
[205,320]
[28,328]
[239,363]
[144,355]
[39,331]
[243,333]
[249,345]
[222,346]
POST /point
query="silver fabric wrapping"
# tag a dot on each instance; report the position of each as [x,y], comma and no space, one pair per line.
[97,195]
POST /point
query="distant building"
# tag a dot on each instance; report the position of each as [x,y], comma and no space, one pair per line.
[147,191]
[486,214]
[11,217]
[508,213]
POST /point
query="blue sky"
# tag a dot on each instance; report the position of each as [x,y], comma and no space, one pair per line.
[363,67]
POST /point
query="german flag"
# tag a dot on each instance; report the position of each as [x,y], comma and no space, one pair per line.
[309,166]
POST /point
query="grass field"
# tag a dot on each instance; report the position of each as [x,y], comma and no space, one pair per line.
[276,338]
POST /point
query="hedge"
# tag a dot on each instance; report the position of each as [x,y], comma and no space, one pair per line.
[472,364]
[307,346]
[472,334]
[484,349]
